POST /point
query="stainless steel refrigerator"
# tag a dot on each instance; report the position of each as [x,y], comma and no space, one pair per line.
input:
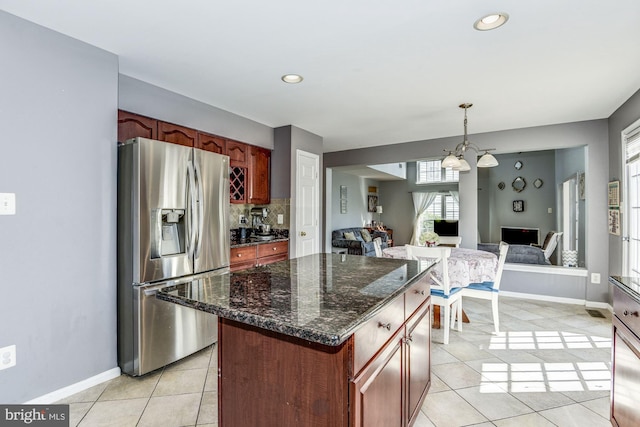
[173,210]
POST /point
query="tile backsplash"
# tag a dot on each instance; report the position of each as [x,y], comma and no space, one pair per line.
[275,208]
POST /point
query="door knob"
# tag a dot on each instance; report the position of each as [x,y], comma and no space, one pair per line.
[302,233]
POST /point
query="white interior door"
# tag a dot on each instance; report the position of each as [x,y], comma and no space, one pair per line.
[307,203]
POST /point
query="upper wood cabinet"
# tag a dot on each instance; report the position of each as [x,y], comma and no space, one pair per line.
[132,125]
[259,168]
[238,153]
[211,143]
[176,134]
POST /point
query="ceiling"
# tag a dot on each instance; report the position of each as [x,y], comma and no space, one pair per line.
[375,72]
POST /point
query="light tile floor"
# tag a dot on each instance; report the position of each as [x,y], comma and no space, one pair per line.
[550,366]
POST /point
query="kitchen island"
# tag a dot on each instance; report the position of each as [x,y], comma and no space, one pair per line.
[322,340]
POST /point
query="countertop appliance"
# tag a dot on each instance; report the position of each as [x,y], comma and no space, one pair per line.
[261,231]
[173,228]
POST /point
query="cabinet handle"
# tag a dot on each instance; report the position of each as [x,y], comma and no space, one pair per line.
[386,326]
[630,313]
[421,292]
[408,340]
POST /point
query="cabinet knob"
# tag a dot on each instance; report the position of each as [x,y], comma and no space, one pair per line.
[239,255]
[386,326]
[630,313]
[421,292]
[275,249]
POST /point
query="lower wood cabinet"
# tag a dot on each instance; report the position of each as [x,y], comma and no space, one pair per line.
[625,411]
[391,388]
[378,377]
[256,255]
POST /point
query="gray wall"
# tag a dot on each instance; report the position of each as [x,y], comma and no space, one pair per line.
[623,117]
[569,163]
[58,253]
[143,98]
[289,139]
[357,201]
[593,134]
[536,164]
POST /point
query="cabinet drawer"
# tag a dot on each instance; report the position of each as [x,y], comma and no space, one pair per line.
[372,336]
[416,295]
[271,259]
[270,249]
[627,309]
[242,254]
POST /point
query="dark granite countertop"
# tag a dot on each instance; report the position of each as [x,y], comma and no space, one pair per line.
[322,298]
[239,243]
[631,285]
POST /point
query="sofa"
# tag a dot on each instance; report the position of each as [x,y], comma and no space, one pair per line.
[360,244]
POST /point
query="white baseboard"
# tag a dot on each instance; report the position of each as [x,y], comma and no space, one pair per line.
[587,304]
[65,392]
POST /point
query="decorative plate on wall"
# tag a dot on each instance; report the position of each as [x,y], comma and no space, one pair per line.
[537,183]
[518,184]
[501,185]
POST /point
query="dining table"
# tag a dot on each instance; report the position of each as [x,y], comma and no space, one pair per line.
[466,266]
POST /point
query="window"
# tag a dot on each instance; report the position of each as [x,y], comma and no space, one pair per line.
[631,230]
[445,206]
[431,171]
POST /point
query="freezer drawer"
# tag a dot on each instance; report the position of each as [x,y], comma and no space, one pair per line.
[164,332]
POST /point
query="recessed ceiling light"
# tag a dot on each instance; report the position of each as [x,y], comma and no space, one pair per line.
[491,22]
[292,78]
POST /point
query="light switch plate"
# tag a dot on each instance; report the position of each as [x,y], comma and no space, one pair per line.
[7,357]
[7,203]
[280,218]
[595,278]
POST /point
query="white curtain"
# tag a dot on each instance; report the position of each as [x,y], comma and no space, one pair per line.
[456,196]
[421,202]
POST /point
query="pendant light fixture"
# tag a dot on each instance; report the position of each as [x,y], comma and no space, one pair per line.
[455,158]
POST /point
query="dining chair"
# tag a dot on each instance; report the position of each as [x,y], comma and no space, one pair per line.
[452,241]
[442,293]
[377,244]
[490,290]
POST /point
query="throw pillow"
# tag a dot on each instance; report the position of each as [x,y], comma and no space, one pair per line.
[349,235]
[365,235]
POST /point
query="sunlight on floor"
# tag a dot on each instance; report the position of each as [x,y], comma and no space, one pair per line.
[546,340]
[545,377]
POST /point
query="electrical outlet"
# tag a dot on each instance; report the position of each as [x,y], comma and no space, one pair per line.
[549,210]
[7,357]
[240,219]
[595,278]
[7,203]
[280,218]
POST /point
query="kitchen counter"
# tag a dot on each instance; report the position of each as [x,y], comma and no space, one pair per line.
[240,243]
[631,286]
[322,298]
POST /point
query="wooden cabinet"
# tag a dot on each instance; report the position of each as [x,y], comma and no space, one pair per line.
[176,134]
[212,143]
[390,390]
[256,255]
[626,360]
[132,125]
[259,174]
[378,377]
[238,153]
[250,172]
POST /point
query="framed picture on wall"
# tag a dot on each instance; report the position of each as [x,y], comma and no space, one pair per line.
[518,205]
[614,194]
[614,222]
[373,202]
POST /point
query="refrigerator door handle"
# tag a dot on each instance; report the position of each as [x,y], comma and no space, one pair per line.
[193,219]
[201,202]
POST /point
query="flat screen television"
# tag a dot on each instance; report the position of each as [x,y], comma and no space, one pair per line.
[520,235]
[445,228]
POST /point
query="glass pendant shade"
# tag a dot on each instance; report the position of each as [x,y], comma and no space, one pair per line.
[451,161]
[464,166]
[487,161]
